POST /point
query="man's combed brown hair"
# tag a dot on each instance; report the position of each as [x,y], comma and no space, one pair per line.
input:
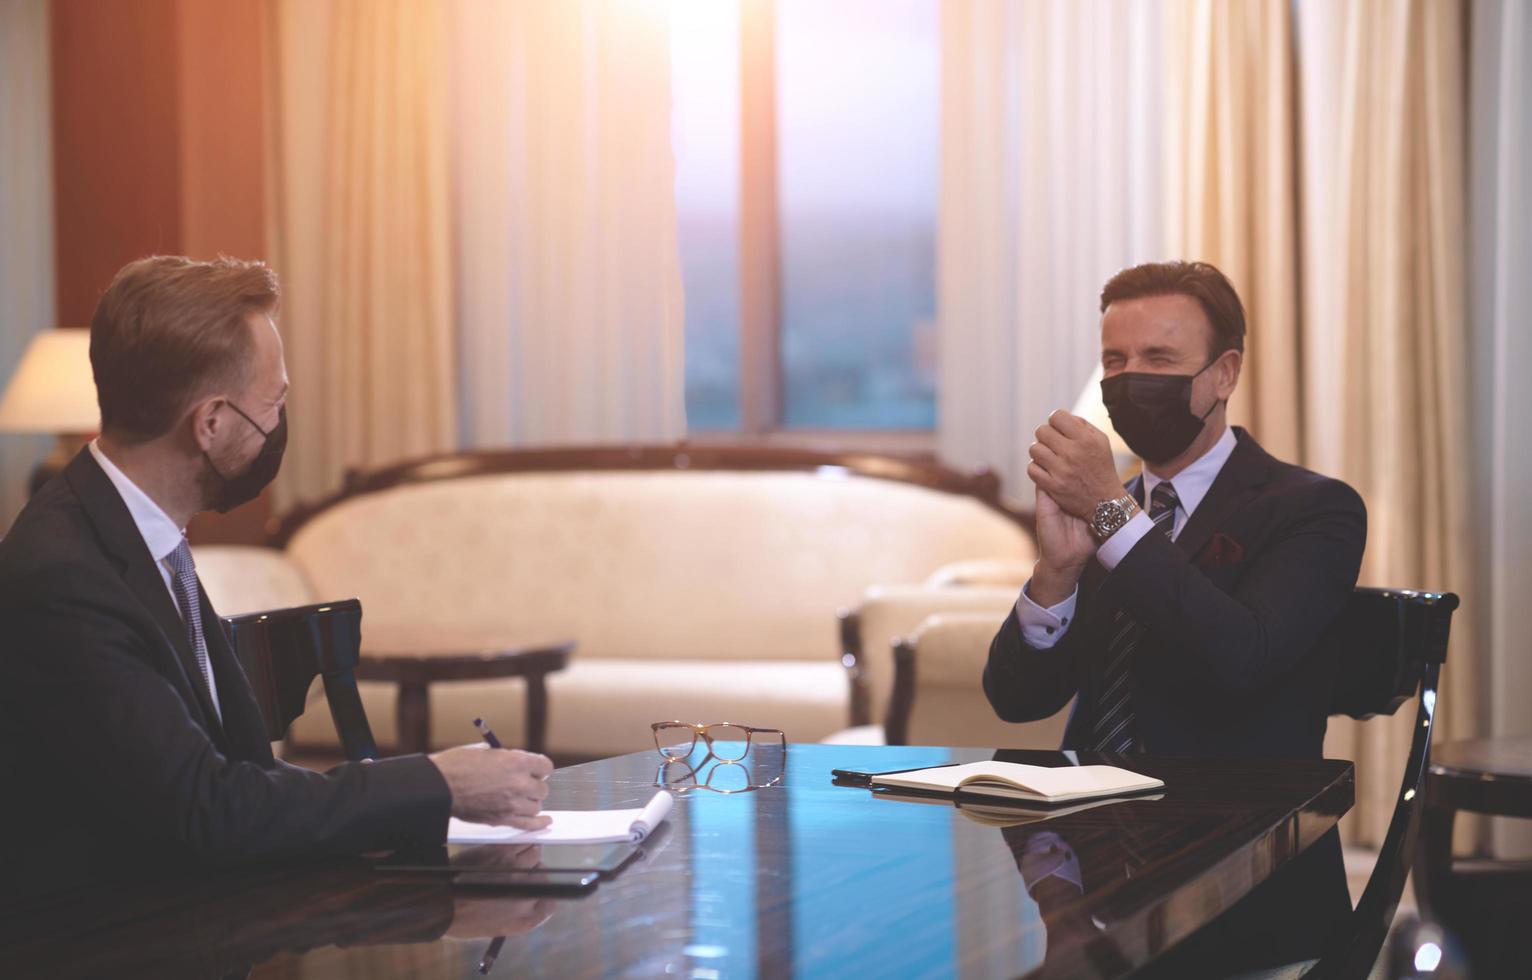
[1200,281]
[170,330]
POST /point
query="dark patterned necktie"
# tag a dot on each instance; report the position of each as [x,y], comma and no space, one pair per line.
[189,597]
[1113,731]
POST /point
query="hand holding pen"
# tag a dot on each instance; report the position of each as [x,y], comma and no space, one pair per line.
[504,787]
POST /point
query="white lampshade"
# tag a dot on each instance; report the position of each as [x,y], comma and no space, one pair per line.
[53,389]
[1092,409]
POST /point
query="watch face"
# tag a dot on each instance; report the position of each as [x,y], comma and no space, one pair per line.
[1108,518]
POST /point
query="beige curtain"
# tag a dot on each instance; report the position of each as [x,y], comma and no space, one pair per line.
[1357,367]
[1051,151]
[1393,422]
[1500,297]
[26,222]
[360,231]
[1231,197]
[571,322]
[1398,233]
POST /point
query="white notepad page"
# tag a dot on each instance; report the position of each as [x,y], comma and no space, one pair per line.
[572,826]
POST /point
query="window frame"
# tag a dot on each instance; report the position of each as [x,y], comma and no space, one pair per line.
[761,395]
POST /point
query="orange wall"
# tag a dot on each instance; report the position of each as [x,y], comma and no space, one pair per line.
[158,147]
[116,150]
[222,140]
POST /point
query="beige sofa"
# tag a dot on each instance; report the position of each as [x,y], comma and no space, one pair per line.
[697,583]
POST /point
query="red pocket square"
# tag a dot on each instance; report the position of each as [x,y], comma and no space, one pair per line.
[1222,550]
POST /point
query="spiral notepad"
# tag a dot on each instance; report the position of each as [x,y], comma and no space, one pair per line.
[572,826]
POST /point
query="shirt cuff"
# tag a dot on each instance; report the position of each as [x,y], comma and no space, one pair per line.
[1116,548]
[1040,627]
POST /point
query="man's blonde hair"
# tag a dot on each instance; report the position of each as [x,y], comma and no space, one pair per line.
[169,331]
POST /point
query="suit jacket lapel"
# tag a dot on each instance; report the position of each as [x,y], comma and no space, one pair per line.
[1233,488]
[121,540]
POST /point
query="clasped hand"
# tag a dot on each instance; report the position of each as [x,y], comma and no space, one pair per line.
[1072,463]
[1072,469]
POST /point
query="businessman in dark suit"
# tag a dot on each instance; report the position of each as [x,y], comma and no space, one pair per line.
[129,736]
[1183,612]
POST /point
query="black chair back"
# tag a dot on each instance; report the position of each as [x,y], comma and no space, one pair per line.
[1383,641]
[283,650]
[1389,644]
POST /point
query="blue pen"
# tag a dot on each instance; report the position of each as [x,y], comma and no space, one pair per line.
[489,736]
[488,962]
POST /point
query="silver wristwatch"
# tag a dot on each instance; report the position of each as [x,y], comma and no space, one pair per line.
[1110,515]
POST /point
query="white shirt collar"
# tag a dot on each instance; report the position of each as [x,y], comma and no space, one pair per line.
[159,531]
[1194,482]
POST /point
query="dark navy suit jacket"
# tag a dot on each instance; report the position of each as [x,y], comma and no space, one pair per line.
[110,751]
[1229,663]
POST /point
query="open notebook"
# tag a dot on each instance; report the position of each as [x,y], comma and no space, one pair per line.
[1015,781]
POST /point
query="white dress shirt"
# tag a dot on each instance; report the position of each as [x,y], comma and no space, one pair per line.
[1042,628]
[159,532]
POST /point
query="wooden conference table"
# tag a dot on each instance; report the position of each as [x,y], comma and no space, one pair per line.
[801,878]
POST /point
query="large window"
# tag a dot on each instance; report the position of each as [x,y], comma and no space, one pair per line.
[806,145]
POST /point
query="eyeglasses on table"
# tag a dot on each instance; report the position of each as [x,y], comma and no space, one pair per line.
[725,741]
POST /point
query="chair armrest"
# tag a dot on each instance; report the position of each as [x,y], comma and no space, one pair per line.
[888,613]
[1011,573]
[947,650]
[939,697]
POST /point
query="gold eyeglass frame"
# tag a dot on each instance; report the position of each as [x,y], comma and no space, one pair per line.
[701,730]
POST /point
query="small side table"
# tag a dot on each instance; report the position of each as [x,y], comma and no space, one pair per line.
[415,673]
[1488,904]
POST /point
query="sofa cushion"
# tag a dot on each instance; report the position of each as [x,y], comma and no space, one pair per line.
[239,579]
[655,565]
[604,707]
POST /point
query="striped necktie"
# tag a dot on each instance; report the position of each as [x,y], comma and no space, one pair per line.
[1113,731]
[189,597]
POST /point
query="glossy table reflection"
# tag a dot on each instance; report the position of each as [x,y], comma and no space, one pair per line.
[797,878]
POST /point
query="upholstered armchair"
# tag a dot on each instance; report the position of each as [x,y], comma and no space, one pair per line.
[920,650]
[937,698]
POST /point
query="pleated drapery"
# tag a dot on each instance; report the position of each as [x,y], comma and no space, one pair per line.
[571,322]
[473,213]
[1231,197]
[1051,169]
[1500,317]
[1393,420]
[360,232]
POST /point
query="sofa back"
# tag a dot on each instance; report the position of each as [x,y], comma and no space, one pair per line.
[659,553]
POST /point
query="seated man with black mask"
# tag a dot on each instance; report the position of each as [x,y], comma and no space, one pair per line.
[129,736]
[1183,611]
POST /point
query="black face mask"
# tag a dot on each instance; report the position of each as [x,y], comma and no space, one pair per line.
[241,489]
[1153,412]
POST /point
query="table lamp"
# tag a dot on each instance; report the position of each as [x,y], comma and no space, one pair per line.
[1092,409]
[53,391]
